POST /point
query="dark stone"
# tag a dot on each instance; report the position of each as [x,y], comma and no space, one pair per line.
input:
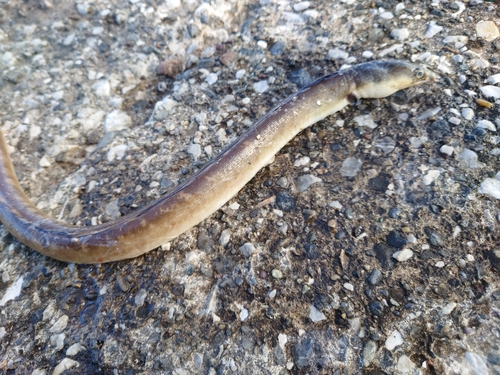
[435,238]
[301,77]
[380,182]
[277,49]
[285,201]
[204,242]
[205,63]
[375,277]
[395,239]
[376,308]
[302,352]
[383,253]
[438,129]
[395,213]
[165,183]
[310,250]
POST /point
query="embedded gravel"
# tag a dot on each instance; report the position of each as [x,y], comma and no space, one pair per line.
[369,245]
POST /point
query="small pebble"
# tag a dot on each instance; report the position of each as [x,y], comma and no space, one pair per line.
[467,113]
[395,339]
[433,29]
[431,176]
[448,150]
[487,30]
[211,78]
[403,255]
[490,187]
[260,87]
[400,34]
[304,182]
[277,274]
[303,5]
[491,91]
[485,124]
[448,308]
[468,159]
[349,286]
[247,249]
[315,315]
[337,53]
[351,167]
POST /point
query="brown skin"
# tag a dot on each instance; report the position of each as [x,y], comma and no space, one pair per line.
[222,178]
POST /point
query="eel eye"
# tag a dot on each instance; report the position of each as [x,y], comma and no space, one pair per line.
[419,73]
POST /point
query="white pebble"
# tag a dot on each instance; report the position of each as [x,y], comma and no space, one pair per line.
[402,255]
[367,54]
[44,162]
[461,8]
[163,107]
[262,44]
[491,187]
[365,120]
[12,292]
[454,121]
[494,79]
[240,73]
[60,325]
[260,87]
[395,339]
[211,78]
[335,205]
[433,29]
[349,286]
[431,176]
[64,365]
[243,314]
[417,142]
[485,124]
[337,53]
[453,39]
[448,308]
[386,15]
[469,159]
[102,88]
[495,151]
[448,150]
[490,91]
[315,315]
[429,113]
[467,113]
[75,349]
[116,152]
[300,162]
[303,5]
[194,150]
[440,264]
[400,34]
[117,120]
[487,30]
[351,167]
[405,365]
[140,297]
[224,238]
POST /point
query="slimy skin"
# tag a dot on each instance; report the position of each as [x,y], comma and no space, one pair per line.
[210,188]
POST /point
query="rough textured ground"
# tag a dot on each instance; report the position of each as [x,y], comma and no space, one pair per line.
[318,289]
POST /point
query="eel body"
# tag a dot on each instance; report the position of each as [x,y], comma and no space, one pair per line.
[207,190]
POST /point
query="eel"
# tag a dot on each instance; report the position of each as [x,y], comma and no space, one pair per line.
[211,187]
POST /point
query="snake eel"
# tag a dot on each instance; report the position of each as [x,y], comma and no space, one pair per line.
[211,187]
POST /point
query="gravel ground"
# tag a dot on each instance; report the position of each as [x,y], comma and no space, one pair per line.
[369,246]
